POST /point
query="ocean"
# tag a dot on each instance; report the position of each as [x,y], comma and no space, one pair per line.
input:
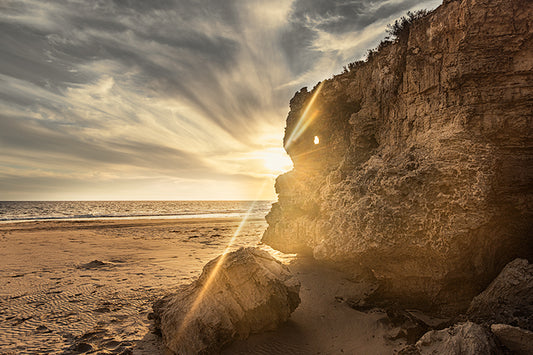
[13,211]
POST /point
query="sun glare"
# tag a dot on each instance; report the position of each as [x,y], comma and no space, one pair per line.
[306,119]
[277,161]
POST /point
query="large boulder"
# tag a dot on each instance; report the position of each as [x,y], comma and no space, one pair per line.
[239,293]
[518,340]
[461,339]
[424,165]
[508,299]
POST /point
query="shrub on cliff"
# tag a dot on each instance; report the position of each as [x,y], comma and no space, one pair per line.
[395,31]
[400,27]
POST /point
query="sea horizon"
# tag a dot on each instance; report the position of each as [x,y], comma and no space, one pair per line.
[80,210]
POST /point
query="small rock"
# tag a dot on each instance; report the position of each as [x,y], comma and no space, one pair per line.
[461,339]
[508,299]
[409,327]
[93,265]
[516,339]
[239,293]
[361,305]
[42,329]
[102,310]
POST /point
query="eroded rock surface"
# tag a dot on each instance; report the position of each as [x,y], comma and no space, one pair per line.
[508,299]
[462,339]
[518,340]
[239,293]
[424,168]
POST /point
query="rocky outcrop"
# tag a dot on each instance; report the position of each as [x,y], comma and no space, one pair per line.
[461,339]
[424,168]
[518,340]
[239,293]
[508,299]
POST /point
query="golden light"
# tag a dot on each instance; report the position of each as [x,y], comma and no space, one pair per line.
[316,141]
[310,113]
[214,272]
[277,161]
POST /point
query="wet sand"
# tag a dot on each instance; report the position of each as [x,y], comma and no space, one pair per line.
[73,287]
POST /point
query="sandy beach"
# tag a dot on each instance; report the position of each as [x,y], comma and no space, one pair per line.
[55,299]
[72,287]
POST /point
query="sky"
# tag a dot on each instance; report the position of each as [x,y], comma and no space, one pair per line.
[165,99]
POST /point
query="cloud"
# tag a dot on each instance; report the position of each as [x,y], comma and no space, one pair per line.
[164,90]
[321,36]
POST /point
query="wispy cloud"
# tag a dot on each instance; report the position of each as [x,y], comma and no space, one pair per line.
[163,98]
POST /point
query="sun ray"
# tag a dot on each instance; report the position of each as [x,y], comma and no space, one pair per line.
[207,285]
[304,120]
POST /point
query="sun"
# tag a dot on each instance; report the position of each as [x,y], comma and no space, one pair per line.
[276,161]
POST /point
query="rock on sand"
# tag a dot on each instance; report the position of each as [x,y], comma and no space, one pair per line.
[239,293]
[508,299]
[461,339]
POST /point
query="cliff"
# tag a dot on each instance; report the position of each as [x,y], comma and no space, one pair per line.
[423,170]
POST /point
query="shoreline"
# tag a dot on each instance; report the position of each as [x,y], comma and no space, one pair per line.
[133,221]
[220,216]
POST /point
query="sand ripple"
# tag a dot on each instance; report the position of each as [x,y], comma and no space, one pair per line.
[68,288]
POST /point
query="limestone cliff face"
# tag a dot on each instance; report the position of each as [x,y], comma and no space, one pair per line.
[424,169]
